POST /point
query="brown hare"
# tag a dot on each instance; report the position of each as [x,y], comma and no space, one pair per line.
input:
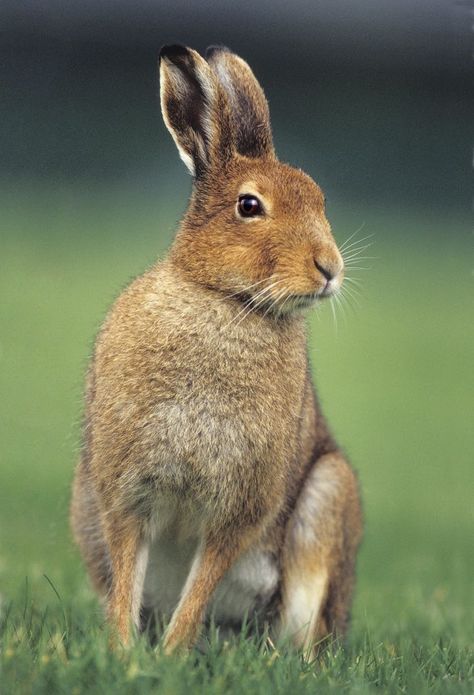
[209,483]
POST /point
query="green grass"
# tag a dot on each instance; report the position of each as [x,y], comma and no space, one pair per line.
[395,380]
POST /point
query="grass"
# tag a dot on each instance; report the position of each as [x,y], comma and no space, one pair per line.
[395,380]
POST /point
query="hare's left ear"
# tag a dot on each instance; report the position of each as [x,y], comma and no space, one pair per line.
[251,130]
[189,103]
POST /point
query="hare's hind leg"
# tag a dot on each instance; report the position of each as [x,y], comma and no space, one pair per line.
[88,530]
[113,551]
[318,559]
[128,556]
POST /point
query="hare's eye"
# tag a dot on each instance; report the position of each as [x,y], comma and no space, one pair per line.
[249,206]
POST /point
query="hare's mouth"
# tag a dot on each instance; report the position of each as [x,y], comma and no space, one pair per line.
[285,302]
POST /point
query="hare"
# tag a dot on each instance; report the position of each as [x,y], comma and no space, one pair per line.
[209,482]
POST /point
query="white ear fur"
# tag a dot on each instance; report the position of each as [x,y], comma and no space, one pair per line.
[188,95]
[165,80]
[251,130]
[225,78]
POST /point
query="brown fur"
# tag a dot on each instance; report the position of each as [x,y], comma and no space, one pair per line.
[199,398]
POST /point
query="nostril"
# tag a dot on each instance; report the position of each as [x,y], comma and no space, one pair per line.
[324,271]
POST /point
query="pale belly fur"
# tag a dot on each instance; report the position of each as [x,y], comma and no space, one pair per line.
[246,589]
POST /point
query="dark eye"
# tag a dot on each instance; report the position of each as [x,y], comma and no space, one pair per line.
[249,206]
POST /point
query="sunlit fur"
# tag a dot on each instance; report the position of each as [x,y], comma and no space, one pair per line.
[281,245]
[209,482]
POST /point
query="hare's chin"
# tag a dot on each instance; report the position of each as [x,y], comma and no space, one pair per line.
[305,301]
[298,302]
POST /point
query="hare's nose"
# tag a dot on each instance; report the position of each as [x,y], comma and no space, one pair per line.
[326,272]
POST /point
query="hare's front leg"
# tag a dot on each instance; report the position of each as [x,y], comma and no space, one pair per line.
[215,555]
[318,559]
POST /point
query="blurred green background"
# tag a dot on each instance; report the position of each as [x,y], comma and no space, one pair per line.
[374,101]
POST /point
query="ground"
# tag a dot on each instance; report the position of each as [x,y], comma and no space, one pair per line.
[395,379]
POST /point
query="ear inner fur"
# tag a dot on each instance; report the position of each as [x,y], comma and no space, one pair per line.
[189,97]
[251,129]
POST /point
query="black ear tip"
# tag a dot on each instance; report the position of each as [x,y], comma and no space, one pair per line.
[211,51]
[173,51]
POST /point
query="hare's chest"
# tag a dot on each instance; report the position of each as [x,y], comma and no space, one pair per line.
[230,416]
[226,405]
[208,426]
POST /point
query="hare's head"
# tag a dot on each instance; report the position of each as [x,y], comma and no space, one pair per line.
[255,227]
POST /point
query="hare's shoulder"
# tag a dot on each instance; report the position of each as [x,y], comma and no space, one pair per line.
[176,341]
[163,314]
[139,318]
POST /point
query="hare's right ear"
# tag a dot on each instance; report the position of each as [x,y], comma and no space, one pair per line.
[189,95]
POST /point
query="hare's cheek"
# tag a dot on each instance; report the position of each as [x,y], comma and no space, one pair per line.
[295,269]
[267,259]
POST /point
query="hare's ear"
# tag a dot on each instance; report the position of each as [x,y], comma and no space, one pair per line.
[251,131]
[188,92]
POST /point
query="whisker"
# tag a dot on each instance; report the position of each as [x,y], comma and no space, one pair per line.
[272,303]
[254,303]
[353,294]
[262,300]
[355,260]
[279,296]
[337,300]
[356,249]
[352,236]
[357,242]
[355,290]
[247,309]
[354,281]
[248,303]
[356,252]
[316,309]
[344,299]
[351,299]
[361,258]
[245,289]
[284,302]
[333,315]
[352,291]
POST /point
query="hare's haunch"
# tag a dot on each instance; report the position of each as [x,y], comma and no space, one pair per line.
[209,483]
